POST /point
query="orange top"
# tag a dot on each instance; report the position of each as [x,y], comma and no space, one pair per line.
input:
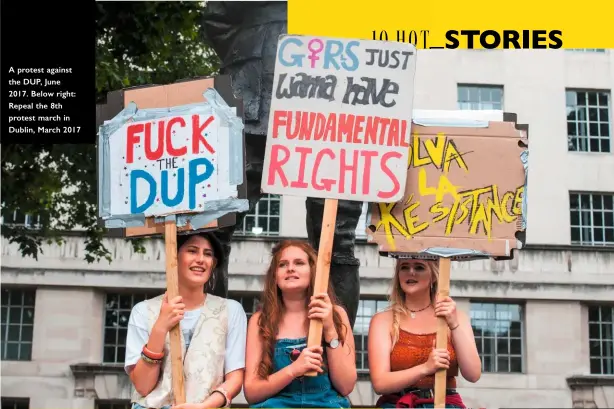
[414,349]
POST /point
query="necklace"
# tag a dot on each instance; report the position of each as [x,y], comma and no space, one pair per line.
[412,313]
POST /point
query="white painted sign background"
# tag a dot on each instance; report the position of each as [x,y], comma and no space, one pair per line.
[128,190]
[368,184]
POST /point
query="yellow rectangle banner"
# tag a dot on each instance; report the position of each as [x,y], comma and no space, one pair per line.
[478,24]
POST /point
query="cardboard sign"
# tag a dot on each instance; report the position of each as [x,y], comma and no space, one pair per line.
[171,164]
[466,190]
[339,126]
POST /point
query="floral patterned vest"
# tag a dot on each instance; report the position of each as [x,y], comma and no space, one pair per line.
[203,361]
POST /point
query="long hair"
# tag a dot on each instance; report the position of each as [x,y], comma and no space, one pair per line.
[397,296]
[273,307]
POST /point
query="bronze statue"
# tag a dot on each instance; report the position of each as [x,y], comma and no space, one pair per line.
[245,35]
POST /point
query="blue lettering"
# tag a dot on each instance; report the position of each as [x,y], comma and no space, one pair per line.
[141,174]
[296,59]
[330,54]
[334,51]
[351,55]
[194,178]
[180,188]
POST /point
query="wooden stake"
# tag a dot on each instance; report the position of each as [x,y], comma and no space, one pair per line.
[172,289]
[443,290]
[325,252]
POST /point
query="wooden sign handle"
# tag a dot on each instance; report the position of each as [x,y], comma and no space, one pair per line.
[443,290]
[172,289]
[325,253]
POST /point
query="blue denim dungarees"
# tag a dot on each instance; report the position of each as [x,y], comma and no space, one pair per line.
[304,392]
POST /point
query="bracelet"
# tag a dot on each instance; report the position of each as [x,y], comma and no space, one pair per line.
[224,393]
[457,325]
[149,360]
[152,355]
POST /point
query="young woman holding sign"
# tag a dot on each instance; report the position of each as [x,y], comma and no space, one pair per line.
[402,354]
[213,332]
[277,358]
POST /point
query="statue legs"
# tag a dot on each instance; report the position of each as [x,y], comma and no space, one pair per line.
[344,266]
[254,154]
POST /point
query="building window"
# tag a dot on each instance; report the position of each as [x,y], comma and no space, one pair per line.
[480,97]
[601,339]
[498,330]
[264,218]
[15,403]
[113,404]
[366,310]
[250,302]
[117,314]
[592,219]
[17,324]
[19,219]
[588,121]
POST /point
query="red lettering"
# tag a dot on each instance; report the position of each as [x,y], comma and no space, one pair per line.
[169,137]
[344,167]
[404,135]
[331,128]
[371,130]
[300,183]
[390,174]
[276,164]
[197,134]
[384,122]
[344,172]
[149,152]
[279,119]
[393,133]
[307,123]
[366,172]
[327,184]
[132,138]
[320,126]
[358,128]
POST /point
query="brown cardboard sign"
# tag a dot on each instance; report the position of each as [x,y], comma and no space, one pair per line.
[465,190]
[164,96]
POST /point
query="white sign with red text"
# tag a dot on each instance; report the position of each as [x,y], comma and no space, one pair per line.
[169,165]
[340,119]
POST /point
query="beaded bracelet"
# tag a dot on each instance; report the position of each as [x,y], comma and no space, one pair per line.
[149,360]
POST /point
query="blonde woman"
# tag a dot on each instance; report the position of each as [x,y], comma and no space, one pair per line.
[402,354]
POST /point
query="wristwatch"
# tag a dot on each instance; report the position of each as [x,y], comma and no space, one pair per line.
[334,343]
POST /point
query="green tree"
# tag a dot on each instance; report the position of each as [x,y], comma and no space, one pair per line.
[137,43]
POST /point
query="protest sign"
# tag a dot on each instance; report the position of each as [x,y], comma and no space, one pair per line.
[339,128]
[172,157]
[465,195]
[339,124]
[152,140]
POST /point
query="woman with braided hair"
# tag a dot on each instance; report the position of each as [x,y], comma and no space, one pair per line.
[402,354]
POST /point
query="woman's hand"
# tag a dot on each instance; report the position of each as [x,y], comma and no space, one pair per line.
[438,359]
[171,312]
[321,308]
[446,308]
[310,359]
